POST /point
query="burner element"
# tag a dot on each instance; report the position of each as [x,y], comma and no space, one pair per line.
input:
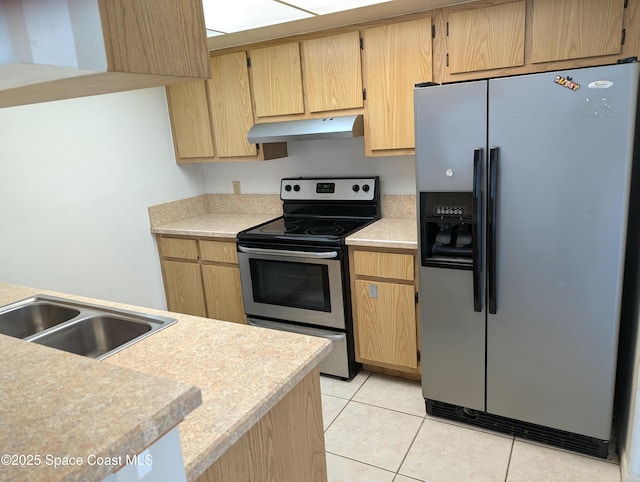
[324,230]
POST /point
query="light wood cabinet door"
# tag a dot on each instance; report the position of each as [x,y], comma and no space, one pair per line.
[384,265]
[386,323]
[183,285]
[395,58]
[219,251]
[487,38]
[178,248]
[332,72]
[277,80]
[223,293]
[230,101]
[573,29]
[190,121]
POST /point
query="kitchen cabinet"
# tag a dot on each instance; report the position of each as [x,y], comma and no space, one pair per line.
[221,277]
[277,80]
[487,38]
[513,38]
[384,308]
[333,73]
[210,119]
[202,277]
[100,47]
[395,57]
[230,103]
[190,122]
[573,29]
[182,276]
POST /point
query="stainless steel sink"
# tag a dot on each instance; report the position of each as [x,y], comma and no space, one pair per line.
[24,319]
[82,328]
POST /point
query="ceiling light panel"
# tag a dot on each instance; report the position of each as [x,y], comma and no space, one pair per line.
[330,6]
[239,15]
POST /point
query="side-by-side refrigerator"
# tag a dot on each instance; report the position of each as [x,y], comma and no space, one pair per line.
[524,186]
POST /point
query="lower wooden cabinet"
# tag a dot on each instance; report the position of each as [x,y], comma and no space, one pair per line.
[183,287]
[202,277]
[384,309]
[223,292]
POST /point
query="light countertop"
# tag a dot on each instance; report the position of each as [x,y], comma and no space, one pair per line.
[242,372]
[215,225]
[387,233]
[55,404]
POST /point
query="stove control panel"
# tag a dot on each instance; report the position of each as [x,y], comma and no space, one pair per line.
[339,189]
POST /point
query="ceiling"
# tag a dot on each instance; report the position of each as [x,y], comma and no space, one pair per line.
[240,22]
[239,15]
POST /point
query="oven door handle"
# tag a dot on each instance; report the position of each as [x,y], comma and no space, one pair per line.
[286,252]
[302,330]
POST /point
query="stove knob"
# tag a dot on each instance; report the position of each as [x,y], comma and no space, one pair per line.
[296,187]
[355,188]
[365,188]
[287,187]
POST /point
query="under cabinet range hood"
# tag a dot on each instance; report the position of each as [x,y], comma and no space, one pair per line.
[306,129]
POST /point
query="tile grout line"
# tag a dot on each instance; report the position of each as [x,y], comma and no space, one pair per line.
[513,443]
[345,405]
[409,449]
[361,462]
[360,387]
[337,415]
[387,408]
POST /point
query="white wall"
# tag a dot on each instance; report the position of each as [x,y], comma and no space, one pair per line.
[76,178]
[335,157]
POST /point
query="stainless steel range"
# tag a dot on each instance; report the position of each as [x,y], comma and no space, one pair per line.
[294,269]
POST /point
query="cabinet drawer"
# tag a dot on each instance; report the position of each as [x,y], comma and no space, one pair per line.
[384,265]
[221,251]
[179,248]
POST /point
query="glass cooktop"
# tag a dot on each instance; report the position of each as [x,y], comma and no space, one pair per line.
[310,230]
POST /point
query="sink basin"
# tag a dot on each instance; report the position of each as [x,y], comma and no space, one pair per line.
[94,337]
[21,320]
[85,329]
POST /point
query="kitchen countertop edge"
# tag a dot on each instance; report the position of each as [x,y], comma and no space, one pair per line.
[198,466]
[387,232]
[196,397]
[213,225]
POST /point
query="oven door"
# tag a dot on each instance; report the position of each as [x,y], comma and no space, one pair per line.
[300,286]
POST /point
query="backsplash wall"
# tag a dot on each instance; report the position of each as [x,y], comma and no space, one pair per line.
[319,158]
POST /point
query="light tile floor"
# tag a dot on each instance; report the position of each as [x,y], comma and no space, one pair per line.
[377,430]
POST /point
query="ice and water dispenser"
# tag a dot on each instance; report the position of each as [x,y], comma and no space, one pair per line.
[448,229]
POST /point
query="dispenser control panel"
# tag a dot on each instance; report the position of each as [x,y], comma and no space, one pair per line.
[449,211]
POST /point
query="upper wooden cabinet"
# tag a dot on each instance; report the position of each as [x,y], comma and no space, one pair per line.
[395,58]
[230,102]
[574,29]
[100,46]
[210,119]
[333,74]
[513,38]
[277,80]
[190,122]
[487,38]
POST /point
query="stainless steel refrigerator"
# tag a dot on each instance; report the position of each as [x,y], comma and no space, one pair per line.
[523,188]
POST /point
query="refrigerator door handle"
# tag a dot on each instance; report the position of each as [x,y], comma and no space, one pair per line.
[492,229]
[475,232]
